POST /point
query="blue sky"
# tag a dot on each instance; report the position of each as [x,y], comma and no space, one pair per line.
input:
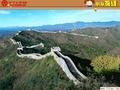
[40,17]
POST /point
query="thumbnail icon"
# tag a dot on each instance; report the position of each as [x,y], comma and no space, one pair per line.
[89,3]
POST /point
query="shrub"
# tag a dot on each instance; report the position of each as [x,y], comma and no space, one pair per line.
[7,82]
[106,63]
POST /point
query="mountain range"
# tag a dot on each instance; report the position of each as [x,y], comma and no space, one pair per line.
[65,26]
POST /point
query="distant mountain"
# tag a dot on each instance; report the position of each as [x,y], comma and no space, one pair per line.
[9,30]
[5,33]
[12,29]
[65,26]
[77,25]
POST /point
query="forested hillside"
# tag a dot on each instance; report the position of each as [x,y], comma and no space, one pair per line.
[97,58]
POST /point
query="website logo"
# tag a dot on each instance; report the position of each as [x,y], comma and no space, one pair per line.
[6,3]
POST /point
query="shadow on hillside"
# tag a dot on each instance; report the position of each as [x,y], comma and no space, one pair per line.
[113,77]
[82,64]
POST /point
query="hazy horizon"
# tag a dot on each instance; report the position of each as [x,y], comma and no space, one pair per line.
[59,24]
